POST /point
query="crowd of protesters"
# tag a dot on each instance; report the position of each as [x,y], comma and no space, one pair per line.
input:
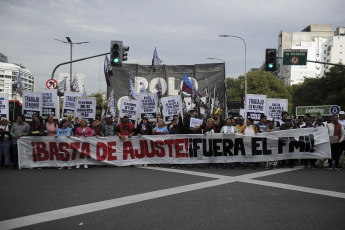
[111,126]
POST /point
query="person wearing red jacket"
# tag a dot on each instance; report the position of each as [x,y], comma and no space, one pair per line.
[83,130]
[125,128]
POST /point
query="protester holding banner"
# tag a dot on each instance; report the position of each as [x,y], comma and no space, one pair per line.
[308,124]
[37,128]
[250,129]
[64,130]
[109,127]
[160,129]
[5,141]
[336,135]
[176,126]
[300,122]
[83,130]
[287,124]
[262,125]
[228,127]
[240,126]
[96,131]
[125,128]
[144,128]
[19,129]
[211,127]
[270,126]
[51,126]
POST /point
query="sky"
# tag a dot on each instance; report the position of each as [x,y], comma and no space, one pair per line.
[185,32]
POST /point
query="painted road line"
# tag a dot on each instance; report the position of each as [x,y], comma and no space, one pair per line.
[295,188]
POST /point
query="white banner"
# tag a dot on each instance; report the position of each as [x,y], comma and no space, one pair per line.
[4,105]
[50,103]
[275,107]
[309,143]
[256,106]
[32,103]
[130,108]
[85,107]
[68,103]
[148,106]
[171,106]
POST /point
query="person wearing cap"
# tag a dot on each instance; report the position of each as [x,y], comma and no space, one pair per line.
[144,128]
[186,124]
[270,126]
[287,124]
[125,128]
[240,126]
[336,134]
[109,127]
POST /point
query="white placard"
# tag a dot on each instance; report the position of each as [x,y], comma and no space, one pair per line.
[130,108]
[50,103]
[148,106]
[68,103]
[85,107]
[275,107]
[32,103]
[195,122]
[171,106]
[256,106]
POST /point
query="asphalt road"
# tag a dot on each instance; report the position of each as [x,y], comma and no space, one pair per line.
[164,198]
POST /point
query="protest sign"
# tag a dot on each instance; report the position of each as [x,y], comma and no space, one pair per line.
[256,106]
[195,122]
[171,106]
[275,107]
[309,143]
[4,108]
[68,103]
[50,104]
[32,103]
[148,106]
[85,107]
[130,108]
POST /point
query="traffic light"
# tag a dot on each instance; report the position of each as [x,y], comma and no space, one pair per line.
[116,53]
[271,63]
[124,52]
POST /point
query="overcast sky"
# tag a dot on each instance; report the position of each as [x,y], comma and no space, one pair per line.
[184,32]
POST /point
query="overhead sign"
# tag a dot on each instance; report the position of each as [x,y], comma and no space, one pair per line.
[51,84]
[324,110]
[295,57]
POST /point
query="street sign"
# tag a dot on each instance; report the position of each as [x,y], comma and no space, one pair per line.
[295,57]
[324,110]
[51,84]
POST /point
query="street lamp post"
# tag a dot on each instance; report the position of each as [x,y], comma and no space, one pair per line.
[245,71]
[226,88]
[70,67]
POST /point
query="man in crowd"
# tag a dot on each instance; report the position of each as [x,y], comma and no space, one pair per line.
[300,122]
[125,128]
[109,127]
[261,126]
[240,125]
[19,129]
[336,135]
[186,124]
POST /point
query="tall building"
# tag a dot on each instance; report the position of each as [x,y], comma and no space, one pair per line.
[8,75]
[80,77]
[323,45]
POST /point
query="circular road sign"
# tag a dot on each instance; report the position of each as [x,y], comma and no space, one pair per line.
[294,60]
[51,84]
[334,109]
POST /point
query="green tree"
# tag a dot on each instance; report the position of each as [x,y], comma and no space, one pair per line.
[327,90]
[259,82]
[99,104]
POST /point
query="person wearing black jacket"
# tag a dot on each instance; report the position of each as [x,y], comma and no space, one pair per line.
[176,126]
[186,124]
[144,128]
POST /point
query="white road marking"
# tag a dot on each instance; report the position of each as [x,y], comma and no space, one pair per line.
[107,204]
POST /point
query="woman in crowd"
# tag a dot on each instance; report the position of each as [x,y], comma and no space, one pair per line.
[160,129]
[83,131]
[211,126]
[96,131]
[64,130]
[37,128]
[5,141]
[228,127]
[51,126]
[144,128]
[249,130]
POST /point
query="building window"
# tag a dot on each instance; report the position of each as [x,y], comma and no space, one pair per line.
[324,52]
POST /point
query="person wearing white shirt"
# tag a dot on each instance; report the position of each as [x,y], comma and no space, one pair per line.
[336,135]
